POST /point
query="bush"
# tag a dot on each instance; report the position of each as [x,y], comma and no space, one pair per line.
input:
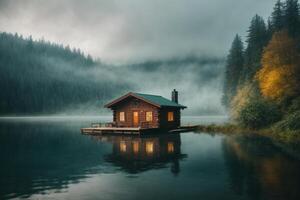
[295,106]
[290,123]
[258,114]
[244,95]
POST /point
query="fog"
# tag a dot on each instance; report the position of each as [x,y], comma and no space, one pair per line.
[147,46]
[119,31]
[198,80]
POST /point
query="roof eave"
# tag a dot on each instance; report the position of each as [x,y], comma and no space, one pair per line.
[110,105]
[181,107]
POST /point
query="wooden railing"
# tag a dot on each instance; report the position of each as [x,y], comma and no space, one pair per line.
[113,124]
[98,125]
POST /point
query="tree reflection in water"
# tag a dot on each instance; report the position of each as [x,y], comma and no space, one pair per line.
[135,154]
[259,169]
[45,156]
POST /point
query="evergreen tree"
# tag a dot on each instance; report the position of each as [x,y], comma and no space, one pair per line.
[270,29]
[42,77]
[291,17]
[257,39]
[234,66]
[277,17]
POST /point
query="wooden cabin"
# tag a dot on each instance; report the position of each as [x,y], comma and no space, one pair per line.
[146,111]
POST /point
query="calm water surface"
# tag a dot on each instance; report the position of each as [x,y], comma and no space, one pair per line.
[48,158]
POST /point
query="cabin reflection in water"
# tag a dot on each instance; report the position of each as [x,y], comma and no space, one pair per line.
[135,154]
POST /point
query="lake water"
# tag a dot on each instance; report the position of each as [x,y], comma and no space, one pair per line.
[48,158]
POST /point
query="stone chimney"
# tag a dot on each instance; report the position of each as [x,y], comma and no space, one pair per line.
[175,96]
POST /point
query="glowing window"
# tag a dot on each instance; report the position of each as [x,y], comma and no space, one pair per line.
[122,146]
[170,147]
[149,117]
[122,116]
[135,146]
[170,116]
[149,147]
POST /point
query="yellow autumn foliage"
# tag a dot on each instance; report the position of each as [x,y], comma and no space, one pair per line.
[279,76]
[243,96]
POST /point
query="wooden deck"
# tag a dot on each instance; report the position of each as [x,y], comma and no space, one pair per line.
[131,130]
[100,130]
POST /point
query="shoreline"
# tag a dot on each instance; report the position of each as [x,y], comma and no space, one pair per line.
[287,141]
[288,137]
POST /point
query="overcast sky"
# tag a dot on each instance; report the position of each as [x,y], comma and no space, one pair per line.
[134,30]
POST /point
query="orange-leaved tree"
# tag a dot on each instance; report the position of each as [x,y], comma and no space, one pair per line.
[279,76]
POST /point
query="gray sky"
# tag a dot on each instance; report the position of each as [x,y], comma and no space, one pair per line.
[134,30]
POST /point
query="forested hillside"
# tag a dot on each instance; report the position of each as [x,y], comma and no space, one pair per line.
[262,79]
[40,77]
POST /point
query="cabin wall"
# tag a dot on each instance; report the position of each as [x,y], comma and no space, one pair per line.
[132,104]
[163,118]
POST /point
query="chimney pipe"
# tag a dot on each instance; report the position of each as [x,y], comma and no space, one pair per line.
[175,96]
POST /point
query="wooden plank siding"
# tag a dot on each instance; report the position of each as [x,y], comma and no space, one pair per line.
[129,106]
[159,114]
[163,118]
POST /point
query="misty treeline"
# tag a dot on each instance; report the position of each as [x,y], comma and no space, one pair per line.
[39,77]
[42,77]
[262,79]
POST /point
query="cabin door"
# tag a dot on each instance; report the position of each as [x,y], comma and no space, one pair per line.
[135,118]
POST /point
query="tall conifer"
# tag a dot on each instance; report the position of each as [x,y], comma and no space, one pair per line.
[234,64]
[291,17]
[257,39]
[277,17]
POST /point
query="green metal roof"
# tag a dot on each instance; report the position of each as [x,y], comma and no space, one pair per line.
[159,100]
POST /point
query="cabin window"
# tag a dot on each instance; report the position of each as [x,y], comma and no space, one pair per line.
[170,116]
[149,117]
[122,116]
